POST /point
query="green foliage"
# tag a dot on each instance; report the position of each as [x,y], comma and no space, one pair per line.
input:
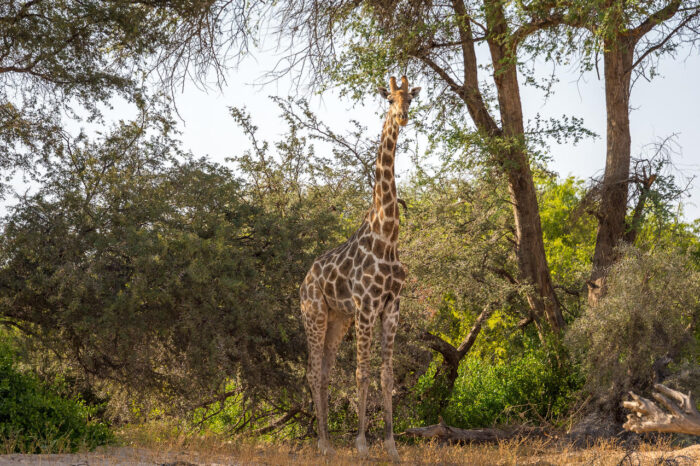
[650,313]
[531,386]
[34,418]
[63,58]
[166,275]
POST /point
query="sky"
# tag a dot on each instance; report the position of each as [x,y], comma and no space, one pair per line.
[670,104]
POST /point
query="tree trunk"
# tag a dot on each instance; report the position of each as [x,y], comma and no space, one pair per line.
[445,433]
[532,261]
[614,190]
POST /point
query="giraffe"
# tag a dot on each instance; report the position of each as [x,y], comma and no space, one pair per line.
[359,281]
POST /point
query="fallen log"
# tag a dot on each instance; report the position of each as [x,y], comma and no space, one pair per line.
[443,432]
[681,416]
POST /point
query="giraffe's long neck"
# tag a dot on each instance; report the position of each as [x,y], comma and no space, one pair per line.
[384,216]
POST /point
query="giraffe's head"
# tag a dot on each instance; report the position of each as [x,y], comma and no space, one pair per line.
[399,98]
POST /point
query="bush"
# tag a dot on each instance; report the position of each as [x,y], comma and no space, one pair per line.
[648,315]
[36,419]
[530,387]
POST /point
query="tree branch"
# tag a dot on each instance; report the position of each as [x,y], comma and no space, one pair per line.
[660,16]
[668,37]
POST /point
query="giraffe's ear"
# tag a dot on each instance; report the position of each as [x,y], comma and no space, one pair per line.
[415,91]
[383,92]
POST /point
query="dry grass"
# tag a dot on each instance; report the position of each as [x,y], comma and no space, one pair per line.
[166,444]
[213,449]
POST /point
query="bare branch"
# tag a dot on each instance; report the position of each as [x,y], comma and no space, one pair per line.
[681,415]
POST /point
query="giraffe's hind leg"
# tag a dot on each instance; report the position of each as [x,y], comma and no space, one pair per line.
[390,319]
[315,313]
[363,330]
[336,329]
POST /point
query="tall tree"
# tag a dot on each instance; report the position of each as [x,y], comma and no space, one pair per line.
[631,37]
[443,43]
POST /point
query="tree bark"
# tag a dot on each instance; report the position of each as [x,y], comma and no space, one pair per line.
[452,356]
[617,59]
[532,261]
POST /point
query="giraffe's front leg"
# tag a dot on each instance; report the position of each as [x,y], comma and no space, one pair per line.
[390,319]
[363,329]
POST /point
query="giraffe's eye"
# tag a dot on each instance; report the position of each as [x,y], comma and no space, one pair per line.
[391,100]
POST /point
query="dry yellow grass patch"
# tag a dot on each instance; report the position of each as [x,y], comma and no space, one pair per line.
[166,444]
[213,449]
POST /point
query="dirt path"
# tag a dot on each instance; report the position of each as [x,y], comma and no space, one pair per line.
[116,456]
[689,456]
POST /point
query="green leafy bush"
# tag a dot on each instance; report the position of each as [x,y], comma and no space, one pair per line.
[530,387]
[36,419]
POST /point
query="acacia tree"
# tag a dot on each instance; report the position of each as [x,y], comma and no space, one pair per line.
[57,58]
[631,36]
[440,41]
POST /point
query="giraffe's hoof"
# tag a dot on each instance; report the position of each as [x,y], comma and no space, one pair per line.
[361,444]
[391,450]
[325,448]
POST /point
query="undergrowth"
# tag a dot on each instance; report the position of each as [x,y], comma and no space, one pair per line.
[35,418]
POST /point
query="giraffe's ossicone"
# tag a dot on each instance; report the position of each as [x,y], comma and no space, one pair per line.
[359,281]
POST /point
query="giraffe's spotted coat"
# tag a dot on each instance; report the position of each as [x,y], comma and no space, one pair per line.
[359,281]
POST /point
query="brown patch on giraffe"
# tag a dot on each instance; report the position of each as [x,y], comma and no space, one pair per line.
[385,186]
[366,242]
[345,267]
[388,228]
[384,269]
[395,235]
[387,198]
[316,269]
[398,271]
[378,247]
[358,260]
[342,290]
[395,209]
[333,275]
[375,291]
[369,261]
[389,144]
[387,253]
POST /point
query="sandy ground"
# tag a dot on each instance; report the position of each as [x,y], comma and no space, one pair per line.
[429,454]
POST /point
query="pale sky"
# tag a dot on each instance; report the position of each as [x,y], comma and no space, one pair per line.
[669,104]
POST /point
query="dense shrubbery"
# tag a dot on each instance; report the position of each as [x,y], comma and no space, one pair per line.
[171,284]
[35,418]
[529,387]
[649,315]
